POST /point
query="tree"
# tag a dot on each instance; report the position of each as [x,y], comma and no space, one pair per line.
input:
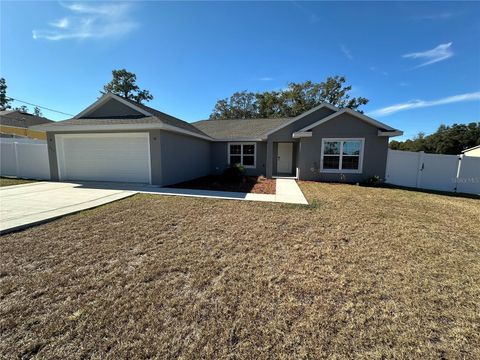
[241,105]
[124,83]
[293,101]
[446,140]
[4,99]
[22,108]
[37,111]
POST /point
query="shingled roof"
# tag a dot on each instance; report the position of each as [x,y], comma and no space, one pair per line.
[239,128]
[21,119]
[154,117]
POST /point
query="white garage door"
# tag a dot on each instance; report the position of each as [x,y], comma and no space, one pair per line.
[117,157]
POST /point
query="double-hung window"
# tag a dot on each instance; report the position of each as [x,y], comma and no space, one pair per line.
[342,155]
[242,153]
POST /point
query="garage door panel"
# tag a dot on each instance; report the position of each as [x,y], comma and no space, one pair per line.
[104,157]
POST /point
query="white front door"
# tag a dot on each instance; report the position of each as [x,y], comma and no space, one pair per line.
[284,158]
[120,157]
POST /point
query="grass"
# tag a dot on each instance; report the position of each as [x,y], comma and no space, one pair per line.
[5,181]
[364,273]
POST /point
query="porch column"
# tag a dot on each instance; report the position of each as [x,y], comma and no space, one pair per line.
[269,158]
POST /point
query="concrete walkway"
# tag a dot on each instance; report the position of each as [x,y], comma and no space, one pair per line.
[287,191]
[26,205]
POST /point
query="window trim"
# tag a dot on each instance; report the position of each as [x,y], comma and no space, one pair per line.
[241,153]
[340,170]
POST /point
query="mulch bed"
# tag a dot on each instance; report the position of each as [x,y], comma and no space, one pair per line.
[247,184]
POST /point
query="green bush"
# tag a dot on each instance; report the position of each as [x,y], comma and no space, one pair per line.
[234,172]
[374,180]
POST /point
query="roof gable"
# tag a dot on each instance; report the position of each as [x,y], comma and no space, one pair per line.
[303,115]
[136,116]
[106,101]
[360,116]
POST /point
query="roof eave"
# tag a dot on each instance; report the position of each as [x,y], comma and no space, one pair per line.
[117,127]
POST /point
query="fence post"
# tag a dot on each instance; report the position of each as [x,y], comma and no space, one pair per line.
[420,167]
[459,168]
[17,166]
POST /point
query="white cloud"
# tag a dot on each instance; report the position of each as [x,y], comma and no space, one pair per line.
[439,53]
[266,78]
[346,51]
[90,20]
[61,23]
[416,104]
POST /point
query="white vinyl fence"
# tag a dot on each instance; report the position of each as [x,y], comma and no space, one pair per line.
[24,158]
[454,173]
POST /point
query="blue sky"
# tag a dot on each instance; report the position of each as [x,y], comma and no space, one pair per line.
[417,62]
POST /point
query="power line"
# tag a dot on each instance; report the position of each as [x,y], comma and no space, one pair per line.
[41,107]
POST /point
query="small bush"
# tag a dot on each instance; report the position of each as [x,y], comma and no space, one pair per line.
[234,172]
[374,180]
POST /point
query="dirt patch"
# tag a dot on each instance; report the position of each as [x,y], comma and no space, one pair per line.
[361,273]
[246,184]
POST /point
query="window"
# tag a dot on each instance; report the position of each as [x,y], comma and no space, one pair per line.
[242,153]
[342,155]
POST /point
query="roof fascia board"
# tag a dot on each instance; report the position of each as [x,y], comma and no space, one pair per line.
[104,99]
[239,140]
[470,149]
[117,127]
[328,106]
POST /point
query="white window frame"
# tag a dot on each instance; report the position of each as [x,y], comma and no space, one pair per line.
[340,170]
[241,153]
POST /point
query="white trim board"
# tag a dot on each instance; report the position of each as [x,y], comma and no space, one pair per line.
[121,127]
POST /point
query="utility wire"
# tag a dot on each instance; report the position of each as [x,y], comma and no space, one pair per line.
[41,107]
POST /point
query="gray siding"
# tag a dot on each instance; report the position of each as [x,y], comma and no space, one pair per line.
[112,108]
[344,126]
[183,157]
[286,133]
[219,158]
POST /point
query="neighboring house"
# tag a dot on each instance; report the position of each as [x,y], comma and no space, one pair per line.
[16,123]
[473,151]
[116,139]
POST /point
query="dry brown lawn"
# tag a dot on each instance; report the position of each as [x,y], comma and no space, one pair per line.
[5,181]
[362,273]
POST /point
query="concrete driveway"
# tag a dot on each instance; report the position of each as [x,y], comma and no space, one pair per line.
[30,204]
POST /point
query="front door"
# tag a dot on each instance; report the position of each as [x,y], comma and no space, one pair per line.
[284,158]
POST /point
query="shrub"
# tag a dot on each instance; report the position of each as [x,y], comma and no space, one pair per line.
[374,180]
[234,172]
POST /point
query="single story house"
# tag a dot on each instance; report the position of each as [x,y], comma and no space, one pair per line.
[116,139]
[15,123]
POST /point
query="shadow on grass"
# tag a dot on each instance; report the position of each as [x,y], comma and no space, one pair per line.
[426,191]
